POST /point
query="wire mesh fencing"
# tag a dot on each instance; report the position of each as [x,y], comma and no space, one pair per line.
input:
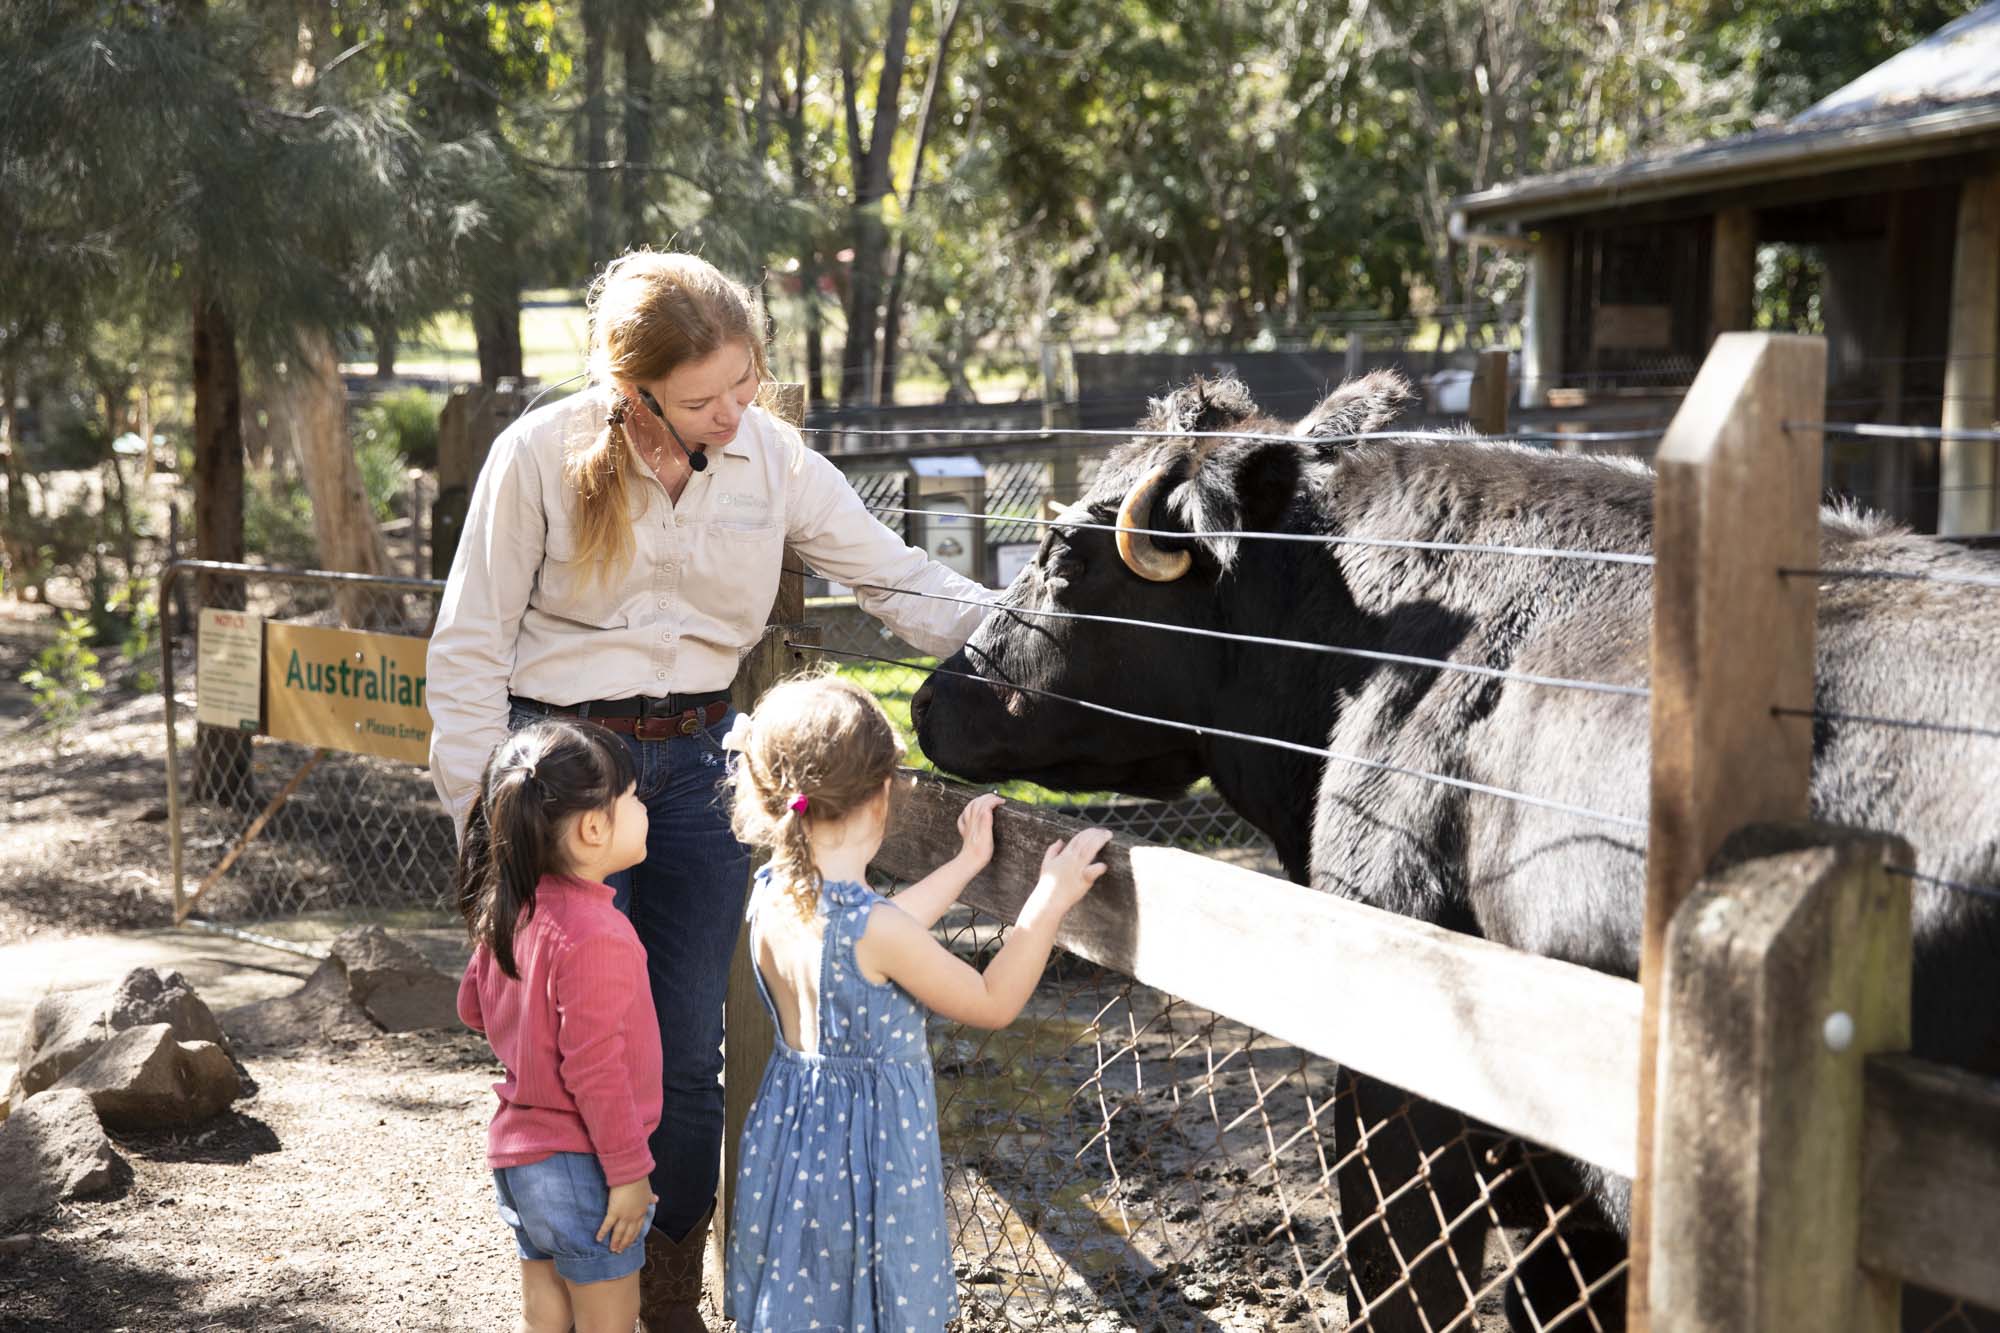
[1200,821]
[1121,1159]
[295,839]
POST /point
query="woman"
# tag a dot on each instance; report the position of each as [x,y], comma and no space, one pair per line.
[621,552]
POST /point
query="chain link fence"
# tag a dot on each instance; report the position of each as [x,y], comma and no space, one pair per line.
[1119,1159]
[290,840]
[856,645]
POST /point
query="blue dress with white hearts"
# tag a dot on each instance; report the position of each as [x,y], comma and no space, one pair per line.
[839,1211]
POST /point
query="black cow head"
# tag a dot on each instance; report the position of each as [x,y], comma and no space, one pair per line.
[1002,723]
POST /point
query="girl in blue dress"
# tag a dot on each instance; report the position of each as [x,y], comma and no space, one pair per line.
[839,1212]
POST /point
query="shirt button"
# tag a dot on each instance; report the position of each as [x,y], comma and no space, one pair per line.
[664,604]
[680,520]
[661,674]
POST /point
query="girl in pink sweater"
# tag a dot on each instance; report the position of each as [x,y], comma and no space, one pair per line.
[557,982]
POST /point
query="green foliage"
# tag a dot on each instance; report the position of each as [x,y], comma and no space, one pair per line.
[64,677]
[1789,281]
[136,602]
[382,472]
[408,421]
[277,521]
[1792,53]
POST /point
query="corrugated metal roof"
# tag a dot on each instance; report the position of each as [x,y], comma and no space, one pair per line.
[1960,62]
[1938,97]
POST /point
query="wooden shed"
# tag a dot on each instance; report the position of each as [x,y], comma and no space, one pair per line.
[1892,183]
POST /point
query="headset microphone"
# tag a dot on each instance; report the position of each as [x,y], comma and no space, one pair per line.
[698,462]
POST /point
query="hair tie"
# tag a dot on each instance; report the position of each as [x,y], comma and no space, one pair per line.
[800,803]
[738,738]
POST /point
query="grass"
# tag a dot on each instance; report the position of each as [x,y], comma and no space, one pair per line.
[555,335]
[894,687]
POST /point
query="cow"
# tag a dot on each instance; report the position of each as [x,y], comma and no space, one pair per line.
[1562,883]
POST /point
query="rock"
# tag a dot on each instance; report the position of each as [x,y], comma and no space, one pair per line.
[69,1026]
[393,983]
[369,984]
[144,1078]
[52,1149]
[320,1010]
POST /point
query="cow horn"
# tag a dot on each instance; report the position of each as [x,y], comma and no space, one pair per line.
[1138,552]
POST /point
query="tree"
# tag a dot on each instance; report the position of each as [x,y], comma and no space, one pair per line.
[157,147]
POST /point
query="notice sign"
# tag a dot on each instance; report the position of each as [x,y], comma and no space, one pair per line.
[348,690]
[229,669]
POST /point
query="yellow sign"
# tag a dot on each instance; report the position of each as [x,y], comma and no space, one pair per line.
[347,690]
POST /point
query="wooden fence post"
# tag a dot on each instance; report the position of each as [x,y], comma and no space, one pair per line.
[747,1036]
[1488,408]
[1784,972]
[1737,499]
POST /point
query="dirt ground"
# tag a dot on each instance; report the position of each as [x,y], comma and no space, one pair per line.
[346,1193]
[1127,1186]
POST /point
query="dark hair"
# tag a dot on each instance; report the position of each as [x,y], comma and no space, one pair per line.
[538,777]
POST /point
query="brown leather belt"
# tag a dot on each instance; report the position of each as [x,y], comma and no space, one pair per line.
[642,719]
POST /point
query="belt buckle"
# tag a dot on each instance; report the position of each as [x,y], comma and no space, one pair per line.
[692,719]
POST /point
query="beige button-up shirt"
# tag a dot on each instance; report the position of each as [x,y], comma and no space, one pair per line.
[521,615]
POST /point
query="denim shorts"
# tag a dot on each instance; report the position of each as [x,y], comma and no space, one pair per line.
[555,1207]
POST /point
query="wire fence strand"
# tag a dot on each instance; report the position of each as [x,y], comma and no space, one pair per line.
[1224,733]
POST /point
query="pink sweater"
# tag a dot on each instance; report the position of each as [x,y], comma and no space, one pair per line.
[577,1034]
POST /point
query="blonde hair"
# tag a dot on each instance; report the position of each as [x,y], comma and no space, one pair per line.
[650,313]
[821,738]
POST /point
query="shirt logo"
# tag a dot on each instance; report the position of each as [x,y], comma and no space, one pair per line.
[742,500]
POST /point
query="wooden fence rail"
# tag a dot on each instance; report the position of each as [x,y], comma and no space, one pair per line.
[1792,1165]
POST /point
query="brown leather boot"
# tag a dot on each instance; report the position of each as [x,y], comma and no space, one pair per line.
[670,1283]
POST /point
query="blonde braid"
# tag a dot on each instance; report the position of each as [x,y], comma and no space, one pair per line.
[821,738]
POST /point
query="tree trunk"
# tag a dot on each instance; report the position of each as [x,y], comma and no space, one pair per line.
[114,396]
[146,428]
[20,562]
[859,356]
[892,318]
[386,346]
[633,28]
[815,337]
[496,325]
[596,133]
[309,413]
[221,758]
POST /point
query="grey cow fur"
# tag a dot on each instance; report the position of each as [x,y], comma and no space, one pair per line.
[1552,883]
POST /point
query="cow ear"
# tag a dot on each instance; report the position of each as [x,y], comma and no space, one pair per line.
[1222,403]
[1357,407]
[1265,483]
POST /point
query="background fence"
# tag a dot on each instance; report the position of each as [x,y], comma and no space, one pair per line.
[1180,1132]
[289,840]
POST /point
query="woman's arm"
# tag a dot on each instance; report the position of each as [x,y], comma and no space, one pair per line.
[479,618]
[827,523]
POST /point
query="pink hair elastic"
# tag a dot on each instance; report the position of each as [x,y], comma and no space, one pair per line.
[801,803]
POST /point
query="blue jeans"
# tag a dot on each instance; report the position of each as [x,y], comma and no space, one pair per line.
[686,903]
[555,1207]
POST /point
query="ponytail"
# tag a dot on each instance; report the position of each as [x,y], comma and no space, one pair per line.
[537,779]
